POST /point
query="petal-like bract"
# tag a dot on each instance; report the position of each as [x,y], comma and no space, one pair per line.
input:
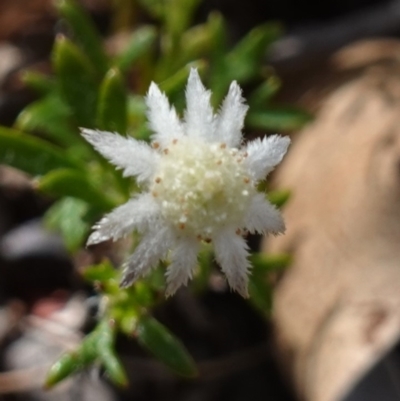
[152,248]
[163,120]
[136,214]
[262,217]
[183,264]
[199,116]
[136,158]
[264,154]
[231,252]
[230,120]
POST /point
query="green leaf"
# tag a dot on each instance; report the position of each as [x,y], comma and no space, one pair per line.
[39,82]
[279,197]
[167,348]
[245,60]
[106,353]
[265,91]
[67,365]
[201,40]
[260,293]
[155,8]
[30,154]
[205,263]
[218,32]
[263,263]
[279,118]
[141,42]
[260,288]
[49,116]
[127,322]
[85,33]
[220,73]
[136,112]
[74,361]
[101,272]
[114,369]
[76,77]
[73,183]
[178,15]
[177,18]
[112,114]
[66,216]
[99,344]
[176,82]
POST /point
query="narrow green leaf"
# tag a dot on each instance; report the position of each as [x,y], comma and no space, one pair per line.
[279,118]
[73,183]
[39,82]
[175,83]
[76,77]
[220,73]
[204,41]
[141,42]
[75,361]
[179,15]
[218,32]
[201,40]
[67,365]
[112,114]
[30,154]
[51,117]
[265,91]
[106,352]
[279,197]
[136,112]
[205,262]
[263,263]
[85,33]
[245,60]
[166,347]
[243,63]
[260,294]
[156,8]
[66,216]
[177,18]
[98,345]
[114,369]
[89,349]
[260,288]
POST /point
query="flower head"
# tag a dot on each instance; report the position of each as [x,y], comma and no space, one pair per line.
[199,185]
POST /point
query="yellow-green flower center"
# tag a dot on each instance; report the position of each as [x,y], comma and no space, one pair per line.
[202,187]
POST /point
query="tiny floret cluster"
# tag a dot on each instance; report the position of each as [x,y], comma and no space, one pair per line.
[199,184]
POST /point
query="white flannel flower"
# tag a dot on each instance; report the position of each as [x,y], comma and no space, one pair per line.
[200,185]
